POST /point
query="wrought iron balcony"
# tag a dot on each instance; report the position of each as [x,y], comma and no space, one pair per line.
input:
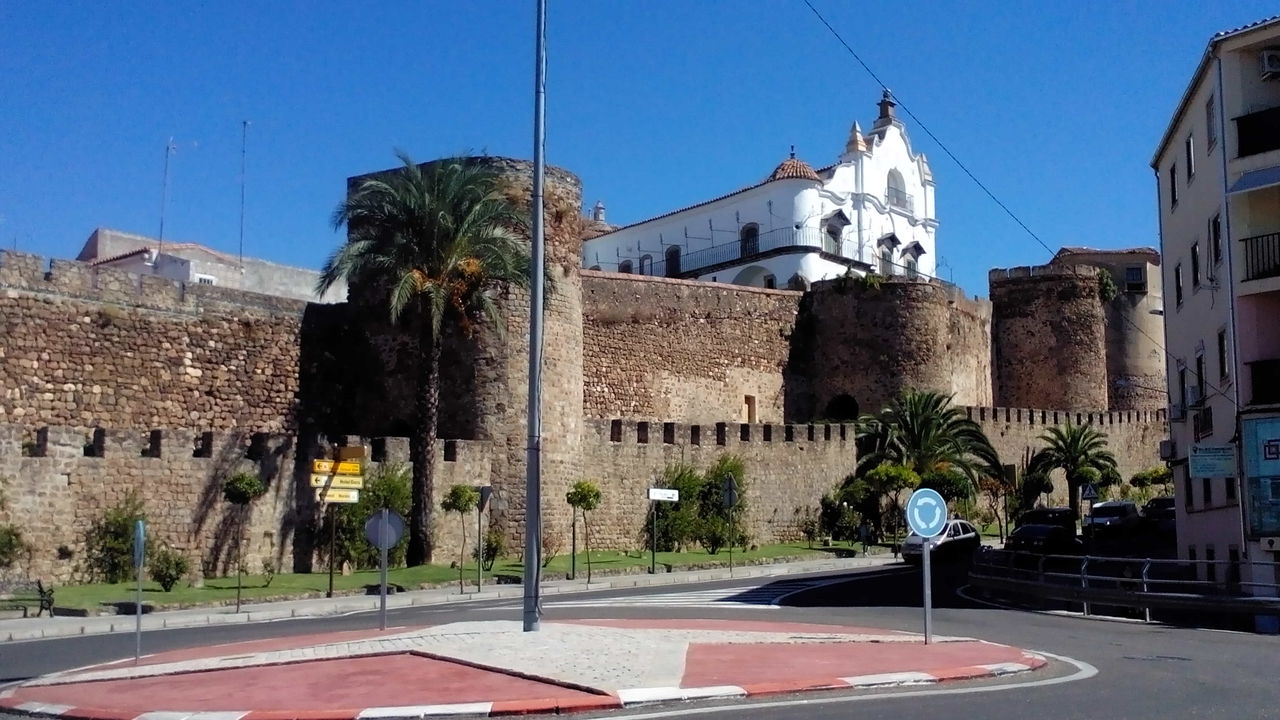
[1258,132]
[900,199]
[1261,256]
[745,248]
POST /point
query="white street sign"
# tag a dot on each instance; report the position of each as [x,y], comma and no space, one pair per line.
[664,494]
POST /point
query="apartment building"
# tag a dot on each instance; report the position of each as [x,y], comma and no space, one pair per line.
[1218,177]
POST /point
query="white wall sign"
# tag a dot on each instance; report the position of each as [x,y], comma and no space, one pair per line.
[664,494]
[1213,461]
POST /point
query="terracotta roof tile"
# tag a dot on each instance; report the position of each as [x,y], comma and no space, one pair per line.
[793,169]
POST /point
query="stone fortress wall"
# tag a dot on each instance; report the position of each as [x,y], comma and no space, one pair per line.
[110,381]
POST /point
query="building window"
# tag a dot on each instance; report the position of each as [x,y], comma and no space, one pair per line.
[1200,393]
[1135,280]
[1186,492]
[770,282]
[1206,484]
[886,262]
[1182,386]
[1177,283]
[1190,146]
[1215,238]
[911,268]
[1229,488]
[625,267]
[749,408]
[1195,265]
[646,264]
[1224,368]
[206,279]
[749,240]
[1210,123]
[1173,186]
[673,261]
[896,192]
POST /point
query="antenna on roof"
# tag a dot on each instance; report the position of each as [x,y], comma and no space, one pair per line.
[169,148]
[793,152]
[244,142]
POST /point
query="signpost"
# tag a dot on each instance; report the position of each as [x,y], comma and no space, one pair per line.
[1089,493]
[658,495]
[927,517]
[338,482]
[383,530]
[729,498]
[139,558]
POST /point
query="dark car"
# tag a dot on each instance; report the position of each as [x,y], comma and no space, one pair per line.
[1159,514]
[1059,516]
[1044,540]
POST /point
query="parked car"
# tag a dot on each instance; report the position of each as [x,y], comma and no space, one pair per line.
[1060,516]
[1114,517]
[957,541]
[1044,540]
[1160,515]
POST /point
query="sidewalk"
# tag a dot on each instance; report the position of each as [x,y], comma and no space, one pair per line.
[38,628]
[493,668]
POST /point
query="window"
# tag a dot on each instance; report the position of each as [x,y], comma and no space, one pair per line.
[625,267]
[206,279]
[1195,265]
[1200,377]
[1182,386]
[911,268]
[646,264]
[1229,488]
[673,261]
[1173,186]
[896,192]
[1177,283]
[770,282]
[749,240]
[749,408]
[1186,499]
[1223,369]
[1207,485]
[1210,123]
[1135,280]
[886,262]
[1190,147]
[1215,238]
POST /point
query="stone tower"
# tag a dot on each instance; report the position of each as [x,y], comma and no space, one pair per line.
[1049,338]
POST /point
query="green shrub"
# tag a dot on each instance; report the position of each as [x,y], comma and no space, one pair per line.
[388,486]
[243,488]
[167,566]
[699,516]
[109,541]
[677,521]
[493,547]
[950,484]
[12,546]
[269,569]
[1152,476]
[1107,289]
[713,534]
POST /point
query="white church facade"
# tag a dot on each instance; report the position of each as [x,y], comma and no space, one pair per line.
[872,211]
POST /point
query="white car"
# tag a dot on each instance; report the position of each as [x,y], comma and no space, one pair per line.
[958,539]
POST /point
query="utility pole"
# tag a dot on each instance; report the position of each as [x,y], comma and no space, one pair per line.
[533,457]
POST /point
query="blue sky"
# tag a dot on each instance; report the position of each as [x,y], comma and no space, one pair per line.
[1057,107]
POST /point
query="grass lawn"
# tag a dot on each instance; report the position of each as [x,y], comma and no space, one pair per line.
[298,585]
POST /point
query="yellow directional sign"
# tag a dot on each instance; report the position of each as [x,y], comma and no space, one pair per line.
[351,482]
[329,467]
[337,495]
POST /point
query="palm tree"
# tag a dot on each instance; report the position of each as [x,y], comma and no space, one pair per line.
[1080,451]
[923,431]
[433,240]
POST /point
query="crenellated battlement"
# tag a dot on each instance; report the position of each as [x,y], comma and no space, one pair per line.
[720,434]
[998,275]
[25,272]
[1033,416]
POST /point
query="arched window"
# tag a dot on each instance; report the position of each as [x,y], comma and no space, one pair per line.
[673,261]
[749,240]
[625,267]
[646,264]
[896,192]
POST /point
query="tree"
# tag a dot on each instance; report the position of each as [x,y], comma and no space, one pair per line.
[240,490]
[924,432]
[432,241]
[584,497]
[1079,451]
[889,480]
[461,499]
[1151,477]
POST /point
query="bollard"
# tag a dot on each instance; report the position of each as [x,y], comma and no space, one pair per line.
[1084,582]
[1146,609]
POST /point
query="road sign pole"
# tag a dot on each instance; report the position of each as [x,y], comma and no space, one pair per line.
[383,532]
[928,592]
[653,539]
[139,559]
[333,544]
[480,543]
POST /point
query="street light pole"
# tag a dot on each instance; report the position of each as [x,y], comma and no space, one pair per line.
[533,458]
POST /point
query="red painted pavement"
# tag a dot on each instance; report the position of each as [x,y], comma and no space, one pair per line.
[731,664]
[317,685]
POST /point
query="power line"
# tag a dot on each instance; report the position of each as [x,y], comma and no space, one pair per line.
[915,119]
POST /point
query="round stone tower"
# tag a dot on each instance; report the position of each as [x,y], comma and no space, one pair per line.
[1048,338]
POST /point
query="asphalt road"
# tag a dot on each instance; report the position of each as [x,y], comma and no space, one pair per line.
[1143,671]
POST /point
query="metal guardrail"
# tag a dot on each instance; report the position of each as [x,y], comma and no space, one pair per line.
[1143,583]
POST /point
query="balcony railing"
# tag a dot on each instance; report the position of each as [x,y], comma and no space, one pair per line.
[1258,132]
[1261,256]
[1264,376]
[690,264]
[899,198]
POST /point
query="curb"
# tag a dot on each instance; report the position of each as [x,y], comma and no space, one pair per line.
[40,629]
[623,698]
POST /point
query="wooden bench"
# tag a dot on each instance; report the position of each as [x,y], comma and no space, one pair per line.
[25,596]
